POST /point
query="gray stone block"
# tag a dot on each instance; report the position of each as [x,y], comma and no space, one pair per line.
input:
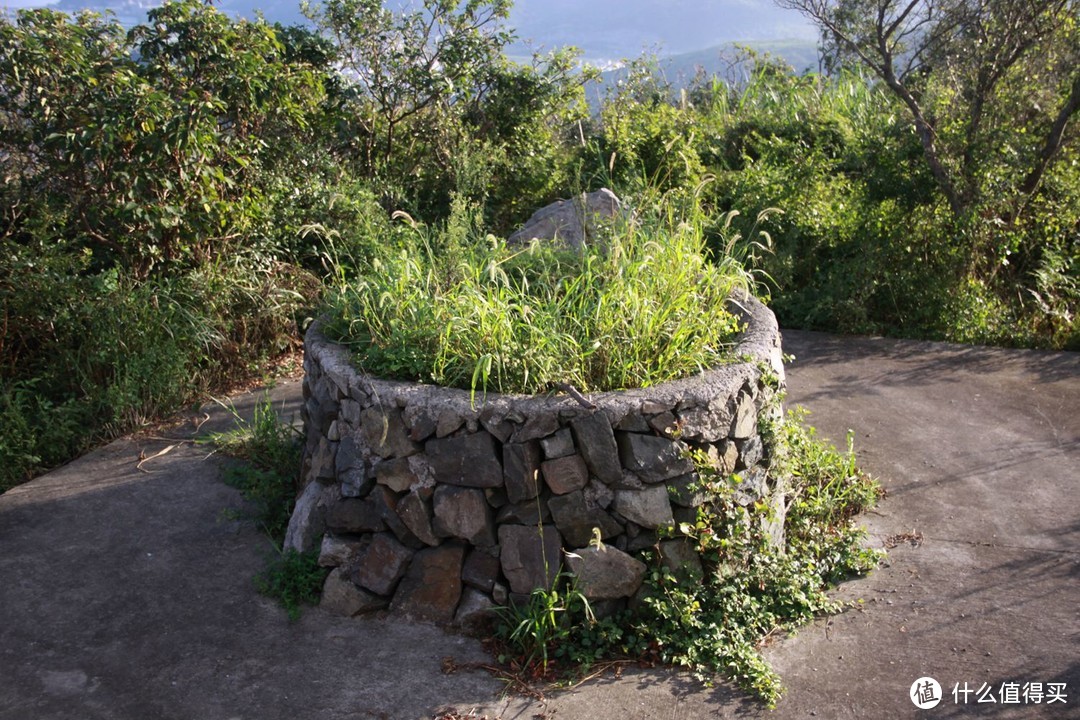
[651,458]
[340,596]
[538,426]
[681,558]
[475,609]
[431,589]
[565,474]
[576,519]
[381,565]
[595,441]
[308,520]
[463,513]
[559,444]
[384,432]
[751,451]
[354,515]
[605,572]
[469,461]
[481,570]
[530,556]
[521,465]
[745,423]
[415,512]
[648,508]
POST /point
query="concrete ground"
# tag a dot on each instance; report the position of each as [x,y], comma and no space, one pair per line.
[126,590]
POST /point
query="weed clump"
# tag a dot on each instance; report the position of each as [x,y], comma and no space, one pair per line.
[714,624]
[271,450]
[640,308]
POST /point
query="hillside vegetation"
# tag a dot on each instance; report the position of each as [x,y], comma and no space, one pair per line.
[177,198]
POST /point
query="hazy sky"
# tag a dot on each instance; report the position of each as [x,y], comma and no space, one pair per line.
[603,29]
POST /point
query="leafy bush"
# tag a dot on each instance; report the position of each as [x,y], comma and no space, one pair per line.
[271,450]
[293,579]
[641,307]
[715,623]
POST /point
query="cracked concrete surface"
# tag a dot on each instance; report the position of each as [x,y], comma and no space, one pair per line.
[128,594]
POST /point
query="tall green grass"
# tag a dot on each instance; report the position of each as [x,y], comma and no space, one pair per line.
[643,306]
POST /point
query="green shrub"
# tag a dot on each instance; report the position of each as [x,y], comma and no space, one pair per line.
[271,450]
[714,624]
[293,579]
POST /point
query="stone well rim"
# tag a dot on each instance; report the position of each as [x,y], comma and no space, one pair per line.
[757,344]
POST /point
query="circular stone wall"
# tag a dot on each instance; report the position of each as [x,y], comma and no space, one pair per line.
[431,506]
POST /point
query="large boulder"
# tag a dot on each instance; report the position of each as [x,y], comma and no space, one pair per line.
[574,223]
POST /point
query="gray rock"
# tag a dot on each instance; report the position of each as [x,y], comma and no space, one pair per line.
[745,423]
[560,444]
[605,572]
[645,539]
[308,520]
[573,223]
[447,422]
[469,461]
[350,413]
[654,407]
[415,512]
[538,426]
[665,424]
[530,556]
[576,520]
[686,491]
[596,442]
[384,432]
[706,424]
[628,481]
[533,512]
[356,482]
[565,474]
[751,486]
[386,502]
[475,609]
[497,424]
[481,570]
[340,596]
[349,455]
[322,460]
[648,508]
[680,557]
[722,455]
[381,565]
[333,434]
[463,513]
[396,474]
[496,496]
[354,515]
[633,422]
[597,494]
[521,464]
[431,589]
[338,551]
[651,458]
[420,422]
[751,451]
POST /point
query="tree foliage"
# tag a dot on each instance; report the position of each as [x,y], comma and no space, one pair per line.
[142,148]
[987,83]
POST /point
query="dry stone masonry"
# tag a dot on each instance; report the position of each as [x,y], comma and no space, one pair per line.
[428,505]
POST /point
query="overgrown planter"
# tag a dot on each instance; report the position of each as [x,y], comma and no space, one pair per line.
[431,505]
